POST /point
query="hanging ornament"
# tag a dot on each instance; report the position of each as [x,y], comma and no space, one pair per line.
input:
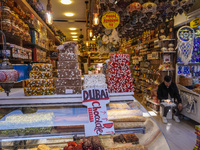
[135,7]
[149,8]
[185,45]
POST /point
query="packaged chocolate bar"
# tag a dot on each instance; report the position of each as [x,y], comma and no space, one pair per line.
[39,82]
[40,75]
[42,67]
[33,91]
[67,65]
[69,73]
[68,90]
[68,82]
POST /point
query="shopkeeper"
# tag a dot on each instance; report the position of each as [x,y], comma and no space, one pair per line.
[169,90]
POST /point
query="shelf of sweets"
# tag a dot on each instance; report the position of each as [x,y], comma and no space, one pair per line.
[25,5]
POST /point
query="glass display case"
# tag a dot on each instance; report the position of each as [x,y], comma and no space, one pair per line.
[58,120]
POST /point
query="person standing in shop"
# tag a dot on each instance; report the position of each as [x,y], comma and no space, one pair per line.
[169,90]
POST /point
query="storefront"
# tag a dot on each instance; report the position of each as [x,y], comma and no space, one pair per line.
[57,94]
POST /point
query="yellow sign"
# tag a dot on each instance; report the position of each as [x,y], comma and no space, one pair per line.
[110,20]
[195,23]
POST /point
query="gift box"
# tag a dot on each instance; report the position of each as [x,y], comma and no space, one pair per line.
[119,57]
[67,57]
[68,47]
[40,75]
[68,82]
[69,73]
[118,73]
[39,82]
[67,65]
[118,65]
[68,90]
[33,91]
[42,67]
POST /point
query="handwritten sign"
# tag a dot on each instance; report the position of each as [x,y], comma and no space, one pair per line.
[96,100]
[110,20]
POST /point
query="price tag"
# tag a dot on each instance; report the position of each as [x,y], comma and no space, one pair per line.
[68,91]
[96,100]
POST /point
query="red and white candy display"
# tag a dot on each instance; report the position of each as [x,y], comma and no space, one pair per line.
[118,74]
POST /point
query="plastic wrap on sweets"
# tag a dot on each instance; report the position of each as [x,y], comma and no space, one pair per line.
[69,76]
[197,132]
[41,80]
[27,124]
[118,75]
[95,81]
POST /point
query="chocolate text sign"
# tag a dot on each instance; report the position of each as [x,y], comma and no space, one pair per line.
[96,100]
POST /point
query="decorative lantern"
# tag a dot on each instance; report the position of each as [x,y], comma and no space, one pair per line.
[135,7]
[8,76]
[149,8]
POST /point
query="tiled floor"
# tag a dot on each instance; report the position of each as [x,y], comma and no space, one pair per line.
[180,136]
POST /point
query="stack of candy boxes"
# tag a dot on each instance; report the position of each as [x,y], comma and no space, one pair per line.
[69,76]
[118,74]
[197,132]
[41,80]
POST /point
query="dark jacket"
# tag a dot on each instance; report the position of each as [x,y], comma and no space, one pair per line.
[163,91]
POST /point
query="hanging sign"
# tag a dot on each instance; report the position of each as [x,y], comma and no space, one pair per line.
[96,100]
[110,20]
[195,23]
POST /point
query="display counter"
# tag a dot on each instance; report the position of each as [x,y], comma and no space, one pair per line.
[191,103]
[26,122]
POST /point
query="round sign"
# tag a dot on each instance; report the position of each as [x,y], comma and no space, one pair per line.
[110,20]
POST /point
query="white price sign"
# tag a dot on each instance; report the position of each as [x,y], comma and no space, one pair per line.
[96,100]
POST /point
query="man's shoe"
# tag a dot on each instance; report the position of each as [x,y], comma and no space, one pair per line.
[164,119]
[176,119]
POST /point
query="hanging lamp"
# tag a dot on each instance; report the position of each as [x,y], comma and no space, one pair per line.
[49,17]
[8,75]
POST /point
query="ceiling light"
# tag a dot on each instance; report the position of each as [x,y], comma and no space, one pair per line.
[93,39]
[75,39]
[69,14]
[72,29]
[74,36]
[74,33]
[66,2]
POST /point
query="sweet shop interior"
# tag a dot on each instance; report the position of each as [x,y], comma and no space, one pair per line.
[99,74]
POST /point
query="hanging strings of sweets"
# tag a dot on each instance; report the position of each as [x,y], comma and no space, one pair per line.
[141,15]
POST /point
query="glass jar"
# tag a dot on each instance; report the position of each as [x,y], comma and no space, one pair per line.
[6,13]
[6,25]
[17,33]
[20,23]
[10,3]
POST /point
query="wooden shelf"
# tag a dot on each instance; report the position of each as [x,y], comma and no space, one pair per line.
[168,52]
[99,58]
[152,109]
[146,42]
[25,5]
[153,102]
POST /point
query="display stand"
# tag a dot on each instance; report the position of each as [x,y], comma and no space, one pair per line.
[149,135]
[191,103]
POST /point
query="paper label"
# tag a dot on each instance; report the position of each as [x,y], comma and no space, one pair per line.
[68,91]
[96,100]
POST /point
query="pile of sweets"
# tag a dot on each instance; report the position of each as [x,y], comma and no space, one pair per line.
[95,81]
[118,74]
[197,132]
[41,80]
[42,147]
[69,76]
[27,124]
